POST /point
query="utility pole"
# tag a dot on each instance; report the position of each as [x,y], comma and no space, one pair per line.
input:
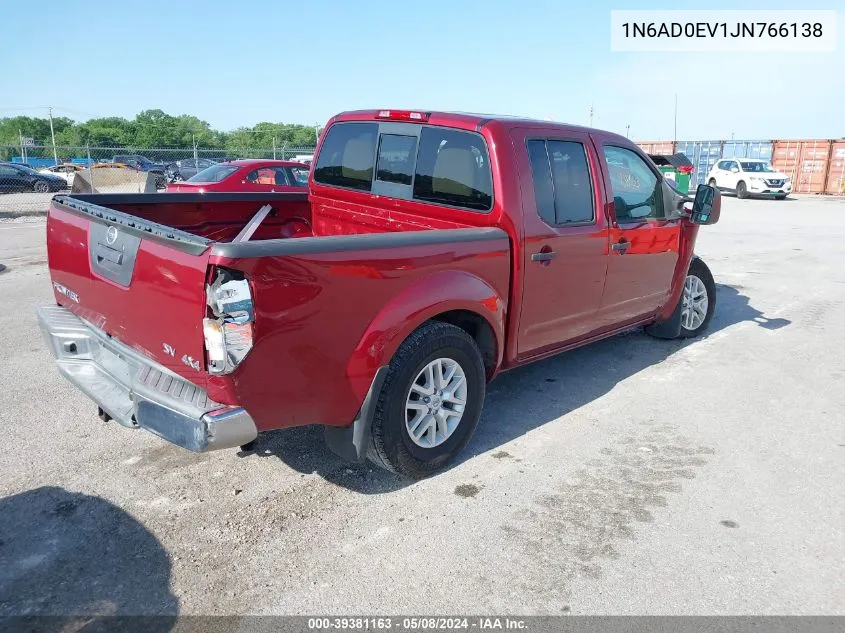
[628,131]
[675,130]
[274,148]
[194,143]
[591,115]
[23,153]
[53,136]
[90,165]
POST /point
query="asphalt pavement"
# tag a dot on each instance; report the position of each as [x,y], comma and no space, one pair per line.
[634,476]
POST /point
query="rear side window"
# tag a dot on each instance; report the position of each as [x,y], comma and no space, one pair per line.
[396,156]
[347,156]
[562,185]
[453,168]
[300,176]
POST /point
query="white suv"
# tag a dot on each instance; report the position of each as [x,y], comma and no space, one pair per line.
[749,177]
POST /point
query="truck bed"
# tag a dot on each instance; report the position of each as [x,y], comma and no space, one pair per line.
[379,275]
[220,216]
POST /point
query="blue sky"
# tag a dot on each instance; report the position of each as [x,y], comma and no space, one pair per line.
[237,63]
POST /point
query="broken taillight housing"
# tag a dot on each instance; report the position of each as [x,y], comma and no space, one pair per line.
[228,332]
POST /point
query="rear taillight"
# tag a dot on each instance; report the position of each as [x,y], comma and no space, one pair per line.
[402,115]
[228,330]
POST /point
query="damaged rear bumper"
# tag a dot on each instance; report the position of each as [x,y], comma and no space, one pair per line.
[138,392]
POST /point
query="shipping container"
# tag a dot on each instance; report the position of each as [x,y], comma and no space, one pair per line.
[34,161]
[805,161]
[748,149]
[836,171]
[665,148]
[703,155]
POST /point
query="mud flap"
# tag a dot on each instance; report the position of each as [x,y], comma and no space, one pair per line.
[351,442]
[671,327]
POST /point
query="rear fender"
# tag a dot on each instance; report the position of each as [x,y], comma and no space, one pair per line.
[423,300]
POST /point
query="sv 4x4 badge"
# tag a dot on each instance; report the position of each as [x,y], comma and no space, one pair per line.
[188,360]
[70,294]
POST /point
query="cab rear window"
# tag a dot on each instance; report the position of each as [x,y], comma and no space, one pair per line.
[428,163]
[347,156]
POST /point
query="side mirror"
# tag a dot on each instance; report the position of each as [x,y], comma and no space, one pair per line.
[707,205]
[734,170]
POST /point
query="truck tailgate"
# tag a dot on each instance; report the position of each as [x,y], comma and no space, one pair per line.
[139,282]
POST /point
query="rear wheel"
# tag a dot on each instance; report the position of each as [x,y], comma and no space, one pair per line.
[698,299]
[713,184]
[41,187]
[741,190]
[430,402]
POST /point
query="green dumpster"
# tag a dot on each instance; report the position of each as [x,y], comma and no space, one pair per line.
[675,167]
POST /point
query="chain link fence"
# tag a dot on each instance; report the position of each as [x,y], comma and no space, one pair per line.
[31,174]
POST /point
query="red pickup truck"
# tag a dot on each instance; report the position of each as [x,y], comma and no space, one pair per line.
[431,252]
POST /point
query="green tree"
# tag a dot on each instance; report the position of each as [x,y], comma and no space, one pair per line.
[152,129]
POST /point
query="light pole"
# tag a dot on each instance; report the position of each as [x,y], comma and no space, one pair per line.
[53,137]
[675,130]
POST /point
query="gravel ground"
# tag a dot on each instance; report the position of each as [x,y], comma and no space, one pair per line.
[634,476]
[13,205]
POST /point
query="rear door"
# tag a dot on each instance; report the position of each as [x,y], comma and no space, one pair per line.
[566,238]
[644,243]
[731,175]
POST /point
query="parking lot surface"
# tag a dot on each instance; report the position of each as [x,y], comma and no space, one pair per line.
[634,476]
[18,204]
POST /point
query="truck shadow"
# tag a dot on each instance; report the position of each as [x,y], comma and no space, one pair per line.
[554,387]
[68,556]
[563,383]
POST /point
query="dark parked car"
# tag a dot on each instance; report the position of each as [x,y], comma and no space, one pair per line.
[186,168]
[20,178]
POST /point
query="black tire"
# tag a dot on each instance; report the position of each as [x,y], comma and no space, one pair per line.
[780,197]
[41,186]
[712,183]
[741,190]
[699,269]
[391,446]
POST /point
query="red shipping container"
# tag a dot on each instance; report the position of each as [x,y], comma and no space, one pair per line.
[664,148]
[836,172]
[805,161]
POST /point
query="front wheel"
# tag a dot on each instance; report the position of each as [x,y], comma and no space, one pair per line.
[430,402]
[741,190]
[698,299]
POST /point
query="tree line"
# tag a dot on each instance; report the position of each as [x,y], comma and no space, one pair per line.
[153,129]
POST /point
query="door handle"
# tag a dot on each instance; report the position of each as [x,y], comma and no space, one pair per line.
[543,256]
[621,246]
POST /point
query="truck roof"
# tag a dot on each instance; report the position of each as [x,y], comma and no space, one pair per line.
[469,120]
